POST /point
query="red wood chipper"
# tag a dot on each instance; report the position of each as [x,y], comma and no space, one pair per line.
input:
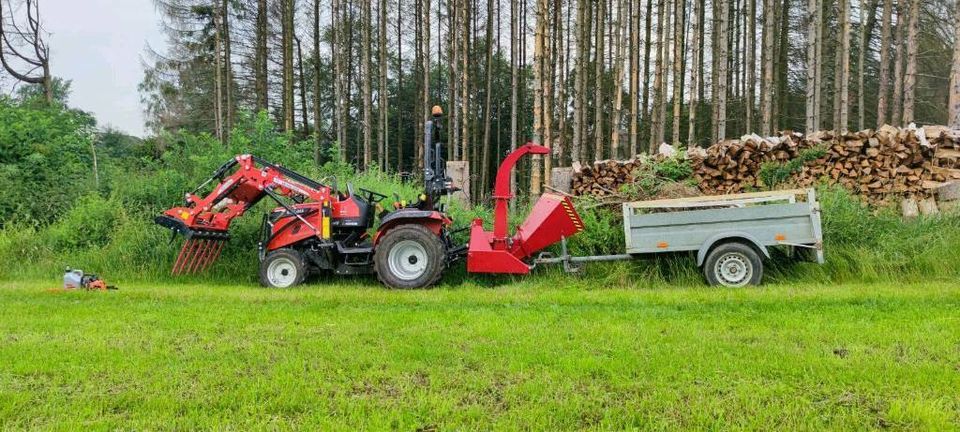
[320,228]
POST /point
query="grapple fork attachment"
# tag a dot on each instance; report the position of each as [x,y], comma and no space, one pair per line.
[200,250]
[197,255]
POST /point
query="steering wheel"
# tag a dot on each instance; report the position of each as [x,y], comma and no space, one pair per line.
[373,196]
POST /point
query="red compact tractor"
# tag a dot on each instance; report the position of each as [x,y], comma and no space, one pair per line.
[320,228]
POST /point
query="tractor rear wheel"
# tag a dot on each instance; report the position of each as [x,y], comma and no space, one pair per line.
[409,256]
[282,268]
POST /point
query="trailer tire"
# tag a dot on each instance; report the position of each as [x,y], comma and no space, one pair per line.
[282,268]
[409,256]
[734,265]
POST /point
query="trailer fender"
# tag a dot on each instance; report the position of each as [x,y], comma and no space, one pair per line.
[735,235]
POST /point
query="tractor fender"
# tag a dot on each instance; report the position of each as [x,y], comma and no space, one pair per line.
[432,220]
[731,235]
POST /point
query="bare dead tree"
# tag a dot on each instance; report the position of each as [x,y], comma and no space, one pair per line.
[24,53]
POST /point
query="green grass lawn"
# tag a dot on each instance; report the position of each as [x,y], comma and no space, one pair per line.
[528,355]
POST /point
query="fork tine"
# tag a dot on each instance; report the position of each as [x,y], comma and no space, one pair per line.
[215,253]
[181,256]
[198,256]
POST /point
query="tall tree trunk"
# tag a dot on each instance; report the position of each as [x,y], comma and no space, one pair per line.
[538,84]
[694,83]
[425,42]
[400,110]
[782,64]
[896,114]
[910,79]
[678,34]
[465,90]
[579,82]
[818,70]
[644,105]
[302,77]
[227,72]
[550,63]
[453,63]
[953,118]
[867,14]
[656,125]
[633,14]
[620,41]
[665,82]
[337,52]
[884,64]
[417,75]
[563,29]
[598,63]
[841,93]
[514,84]
[287,63]
[750,78]
[813,6]
[721,88]
[317,151]
[383,134]
[261,86]
[766,109]
[365,52]
[217,81]
[488,101]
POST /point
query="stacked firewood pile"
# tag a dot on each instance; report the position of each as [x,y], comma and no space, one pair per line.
[604,178]
[734,165]
[887,163]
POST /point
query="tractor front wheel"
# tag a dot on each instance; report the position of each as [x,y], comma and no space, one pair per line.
[282,268]
[409,256]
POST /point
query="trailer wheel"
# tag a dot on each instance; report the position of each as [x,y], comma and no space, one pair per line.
[282,268]
[733,265]
[409,256]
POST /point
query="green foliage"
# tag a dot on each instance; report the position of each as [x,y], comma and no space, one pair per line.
[651,176]
[676,168]
[45,160]
[775,173]
[89,224]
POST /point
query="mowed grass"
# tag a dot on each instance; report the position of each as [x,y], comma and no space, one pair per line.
[526,355]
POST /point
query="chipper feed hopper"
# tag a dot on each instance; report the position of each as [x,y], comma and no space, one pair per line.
[320,229]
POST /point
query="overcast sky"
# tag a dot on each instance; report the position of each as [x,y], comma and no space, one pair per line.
[99,44]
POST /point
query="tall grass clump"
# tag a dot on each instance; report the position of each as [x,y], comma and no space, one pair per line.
[864,243]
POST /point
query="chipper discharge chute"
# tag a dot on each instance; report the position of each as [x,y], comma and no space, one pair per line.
[551,220]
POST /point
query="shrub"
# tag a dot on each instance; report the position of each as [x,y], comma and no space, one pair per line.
[89,224]
[772,174]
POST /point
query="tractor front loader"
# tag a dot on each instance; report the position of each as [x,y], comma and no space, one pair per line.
[317,228]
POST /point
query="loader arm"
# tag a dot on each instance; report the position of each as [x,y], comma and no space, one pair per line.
[240,184]
[235,193]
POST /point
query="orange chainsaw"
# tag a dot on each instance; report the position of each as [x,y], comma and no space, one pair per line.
[77,279]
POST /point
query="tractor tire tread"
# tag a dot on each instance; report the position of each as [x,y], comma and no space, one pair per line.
[435,250]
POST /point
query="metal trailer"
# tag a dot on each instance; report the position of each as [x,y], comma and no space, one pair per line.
[731,234]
